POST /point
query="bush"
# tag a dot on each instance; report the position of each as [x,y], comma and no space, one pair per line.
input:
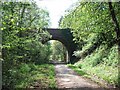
[102,63]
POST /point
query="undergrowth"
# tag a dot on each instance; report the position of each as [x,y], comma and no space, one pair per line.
[103,63]
[27,75]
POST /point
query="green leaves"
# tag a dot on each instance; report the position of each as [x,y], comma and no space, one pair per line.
[21,37]
[58,51]
[88,18]
[93,29]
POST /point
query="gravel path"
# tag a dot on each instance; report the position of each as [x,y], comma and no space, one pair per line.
[67,78]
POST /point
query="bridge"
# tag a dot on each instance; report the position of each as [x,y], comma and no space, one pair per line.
[66,38]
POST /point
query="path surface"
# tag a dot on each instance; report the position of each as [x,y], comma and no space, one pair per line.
[67,78]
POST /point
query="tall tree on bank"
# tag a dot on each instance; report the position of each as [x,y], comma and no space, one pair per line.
[22,33]
[116,24]
[93,20]
[96,24]
[117,30]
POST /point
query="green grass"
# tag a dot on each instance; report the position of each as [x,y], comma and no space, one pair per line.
[102,63]
[28,74]
[78,70]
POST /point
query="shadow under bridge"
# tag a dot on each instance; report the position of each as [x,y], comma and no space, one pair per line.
[66,38]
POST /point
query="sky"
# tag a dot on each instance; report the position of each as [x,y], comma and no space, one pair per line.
[56,9]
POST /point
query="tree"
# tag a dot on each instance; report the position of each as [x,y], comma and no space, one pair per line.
[117,30]
[91,19]
[22,25]
[58,51]
[96,24]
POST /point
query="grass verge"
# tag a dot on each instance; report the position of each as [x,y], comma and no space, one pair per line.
[99,74]
[34,76]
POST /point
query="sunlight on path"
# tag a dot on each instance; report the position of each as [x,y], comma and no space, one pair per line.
[67,78]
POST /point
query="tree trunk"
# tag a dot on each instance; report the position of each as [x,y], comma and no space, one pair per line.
[117,30]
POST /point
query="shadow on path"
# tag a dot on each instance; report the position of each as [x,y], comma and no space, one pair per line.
[67,79]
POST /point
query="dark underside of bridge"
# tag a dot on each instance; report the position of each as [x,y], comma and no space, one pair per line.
[64,36]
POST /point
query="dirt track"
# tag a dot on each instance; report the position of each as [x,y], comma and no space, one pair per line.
[67,78]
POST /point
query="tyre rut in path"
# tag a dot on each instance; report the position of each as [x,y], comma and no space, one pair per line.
[67,78]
